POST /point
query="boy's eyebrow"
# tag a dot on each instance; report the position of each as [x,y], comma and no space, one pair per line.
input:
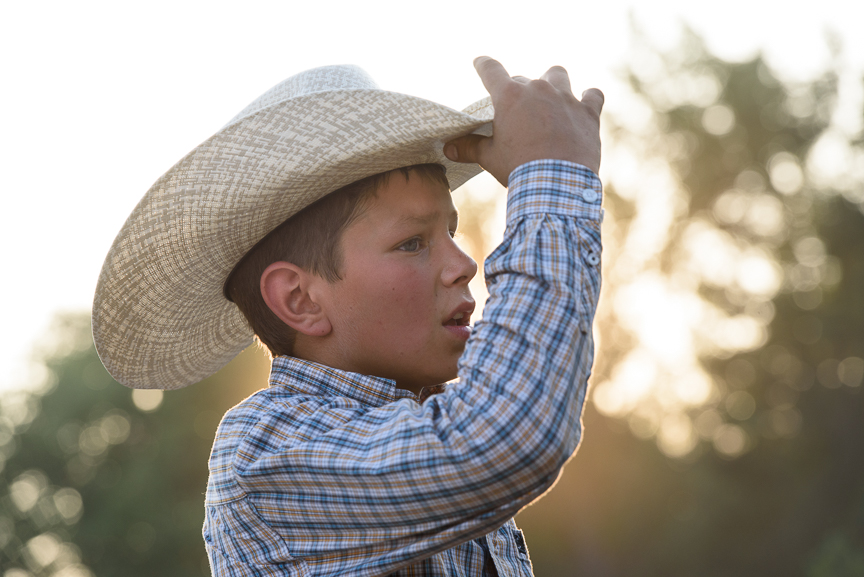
[426,218]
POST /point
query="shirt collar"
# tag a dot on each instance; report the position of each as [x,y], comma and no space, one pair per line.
[308,378]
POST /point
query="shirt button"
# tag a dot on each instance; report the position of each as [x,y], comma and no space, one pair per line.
[589,194]
[593,259]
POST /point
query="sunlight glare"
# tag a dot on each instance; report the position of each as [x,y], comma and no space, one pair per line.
[758,274]
[712,253]
[660,317]
[829,160]
[631,382]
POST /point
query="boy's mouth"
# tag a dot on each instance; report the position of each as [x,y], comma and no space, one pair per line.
[459,320]
[461,315]
[458,325]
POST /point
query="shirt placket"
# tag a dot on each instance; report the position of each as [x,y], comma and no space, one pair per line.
[511,559]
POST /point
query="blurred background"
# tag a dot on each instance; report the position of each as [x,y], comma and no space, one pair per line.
[724,434]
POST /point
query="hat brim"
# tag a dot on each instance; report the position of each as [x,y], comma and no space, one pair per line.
[160,320]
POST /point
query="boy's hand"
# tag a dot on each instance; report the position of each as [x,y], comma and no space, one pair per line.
[534,119]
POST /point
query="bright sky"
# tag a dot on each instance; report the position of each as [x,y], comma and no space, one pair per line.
[101,98]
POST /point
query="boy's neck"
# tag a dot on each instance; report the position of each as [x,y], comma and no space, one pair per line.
[302,351]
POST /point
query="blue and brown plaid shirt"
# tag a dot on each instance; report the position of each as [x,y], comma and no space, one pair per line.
[333,473]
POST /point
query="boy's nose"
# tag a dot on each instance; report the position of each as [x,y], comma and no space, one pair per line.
[460,268]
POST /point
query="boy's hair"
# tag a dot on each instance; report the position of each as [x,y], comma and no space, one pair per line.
[311,240]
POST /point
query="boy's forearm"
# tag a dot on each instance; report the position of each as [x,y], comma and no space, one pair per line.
[534,346]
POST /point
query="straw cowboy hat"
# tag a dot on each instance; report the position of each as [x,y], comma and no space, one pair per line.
[160,320]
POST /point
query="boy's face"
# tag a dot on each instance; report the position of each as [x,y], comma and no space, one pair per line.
[404,280]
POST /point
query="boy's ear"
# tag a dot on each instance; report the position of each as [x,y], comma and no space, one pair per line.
[286,289]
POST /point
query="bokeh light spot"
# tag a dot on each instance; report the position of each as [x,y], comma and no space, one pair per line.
[810,251]
[26,489]
[676,437]
[730,440]
[147,400]
[644,424]
[785,173]
[731,206]
[707,423]
[740,405]
[718,119]
[43,549]
[808,300]
[115,428]
[69,504]
[785,421]
[765,215]
[851,371]
[750,181]
[91,442]
[780,396]
[740,373]
[758,274]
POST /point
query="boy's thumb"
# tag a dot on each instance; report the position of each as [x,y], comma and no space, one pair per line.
[465,148]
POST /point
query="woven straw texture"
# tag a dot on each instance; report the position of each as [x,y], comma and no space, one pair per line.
[159,317]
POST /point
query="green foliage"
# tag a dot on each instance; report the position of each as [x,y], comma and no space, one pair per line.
[133,481]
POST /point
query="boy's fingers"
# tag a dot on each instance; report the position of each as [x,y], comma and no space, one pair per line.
[466,148]
[492,73]
[594,99]
[557,76]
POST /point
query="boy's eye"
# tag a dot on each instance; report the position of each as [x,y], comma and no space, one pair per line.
[411,245]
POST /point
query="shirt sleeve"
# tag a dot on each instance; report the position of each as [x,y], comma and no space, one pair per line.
[407,480]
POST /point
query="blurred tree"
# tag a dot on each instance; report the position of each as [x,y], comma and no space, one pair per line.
[103,480]
[731,334]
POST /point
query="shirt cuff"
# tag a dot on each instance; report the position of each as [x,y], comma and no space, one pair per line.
[554,187]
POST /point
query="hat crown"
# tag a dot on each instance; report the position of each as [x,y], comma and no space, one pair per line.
[323,79]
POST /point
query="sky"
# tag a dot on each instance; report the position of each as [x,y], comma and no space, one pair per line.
[101,98]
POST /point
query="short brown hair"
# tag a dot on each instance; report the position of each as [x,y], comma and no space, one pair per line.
[311,240]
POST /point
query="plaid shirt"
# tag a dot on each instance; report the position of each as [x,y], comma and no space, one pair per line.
[334,473]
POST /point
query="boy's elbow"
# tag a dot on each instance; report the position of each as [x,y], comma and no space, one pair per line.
[545,451]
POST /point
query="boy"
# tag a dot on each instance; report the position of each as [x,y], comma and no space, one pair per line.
[345,465]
